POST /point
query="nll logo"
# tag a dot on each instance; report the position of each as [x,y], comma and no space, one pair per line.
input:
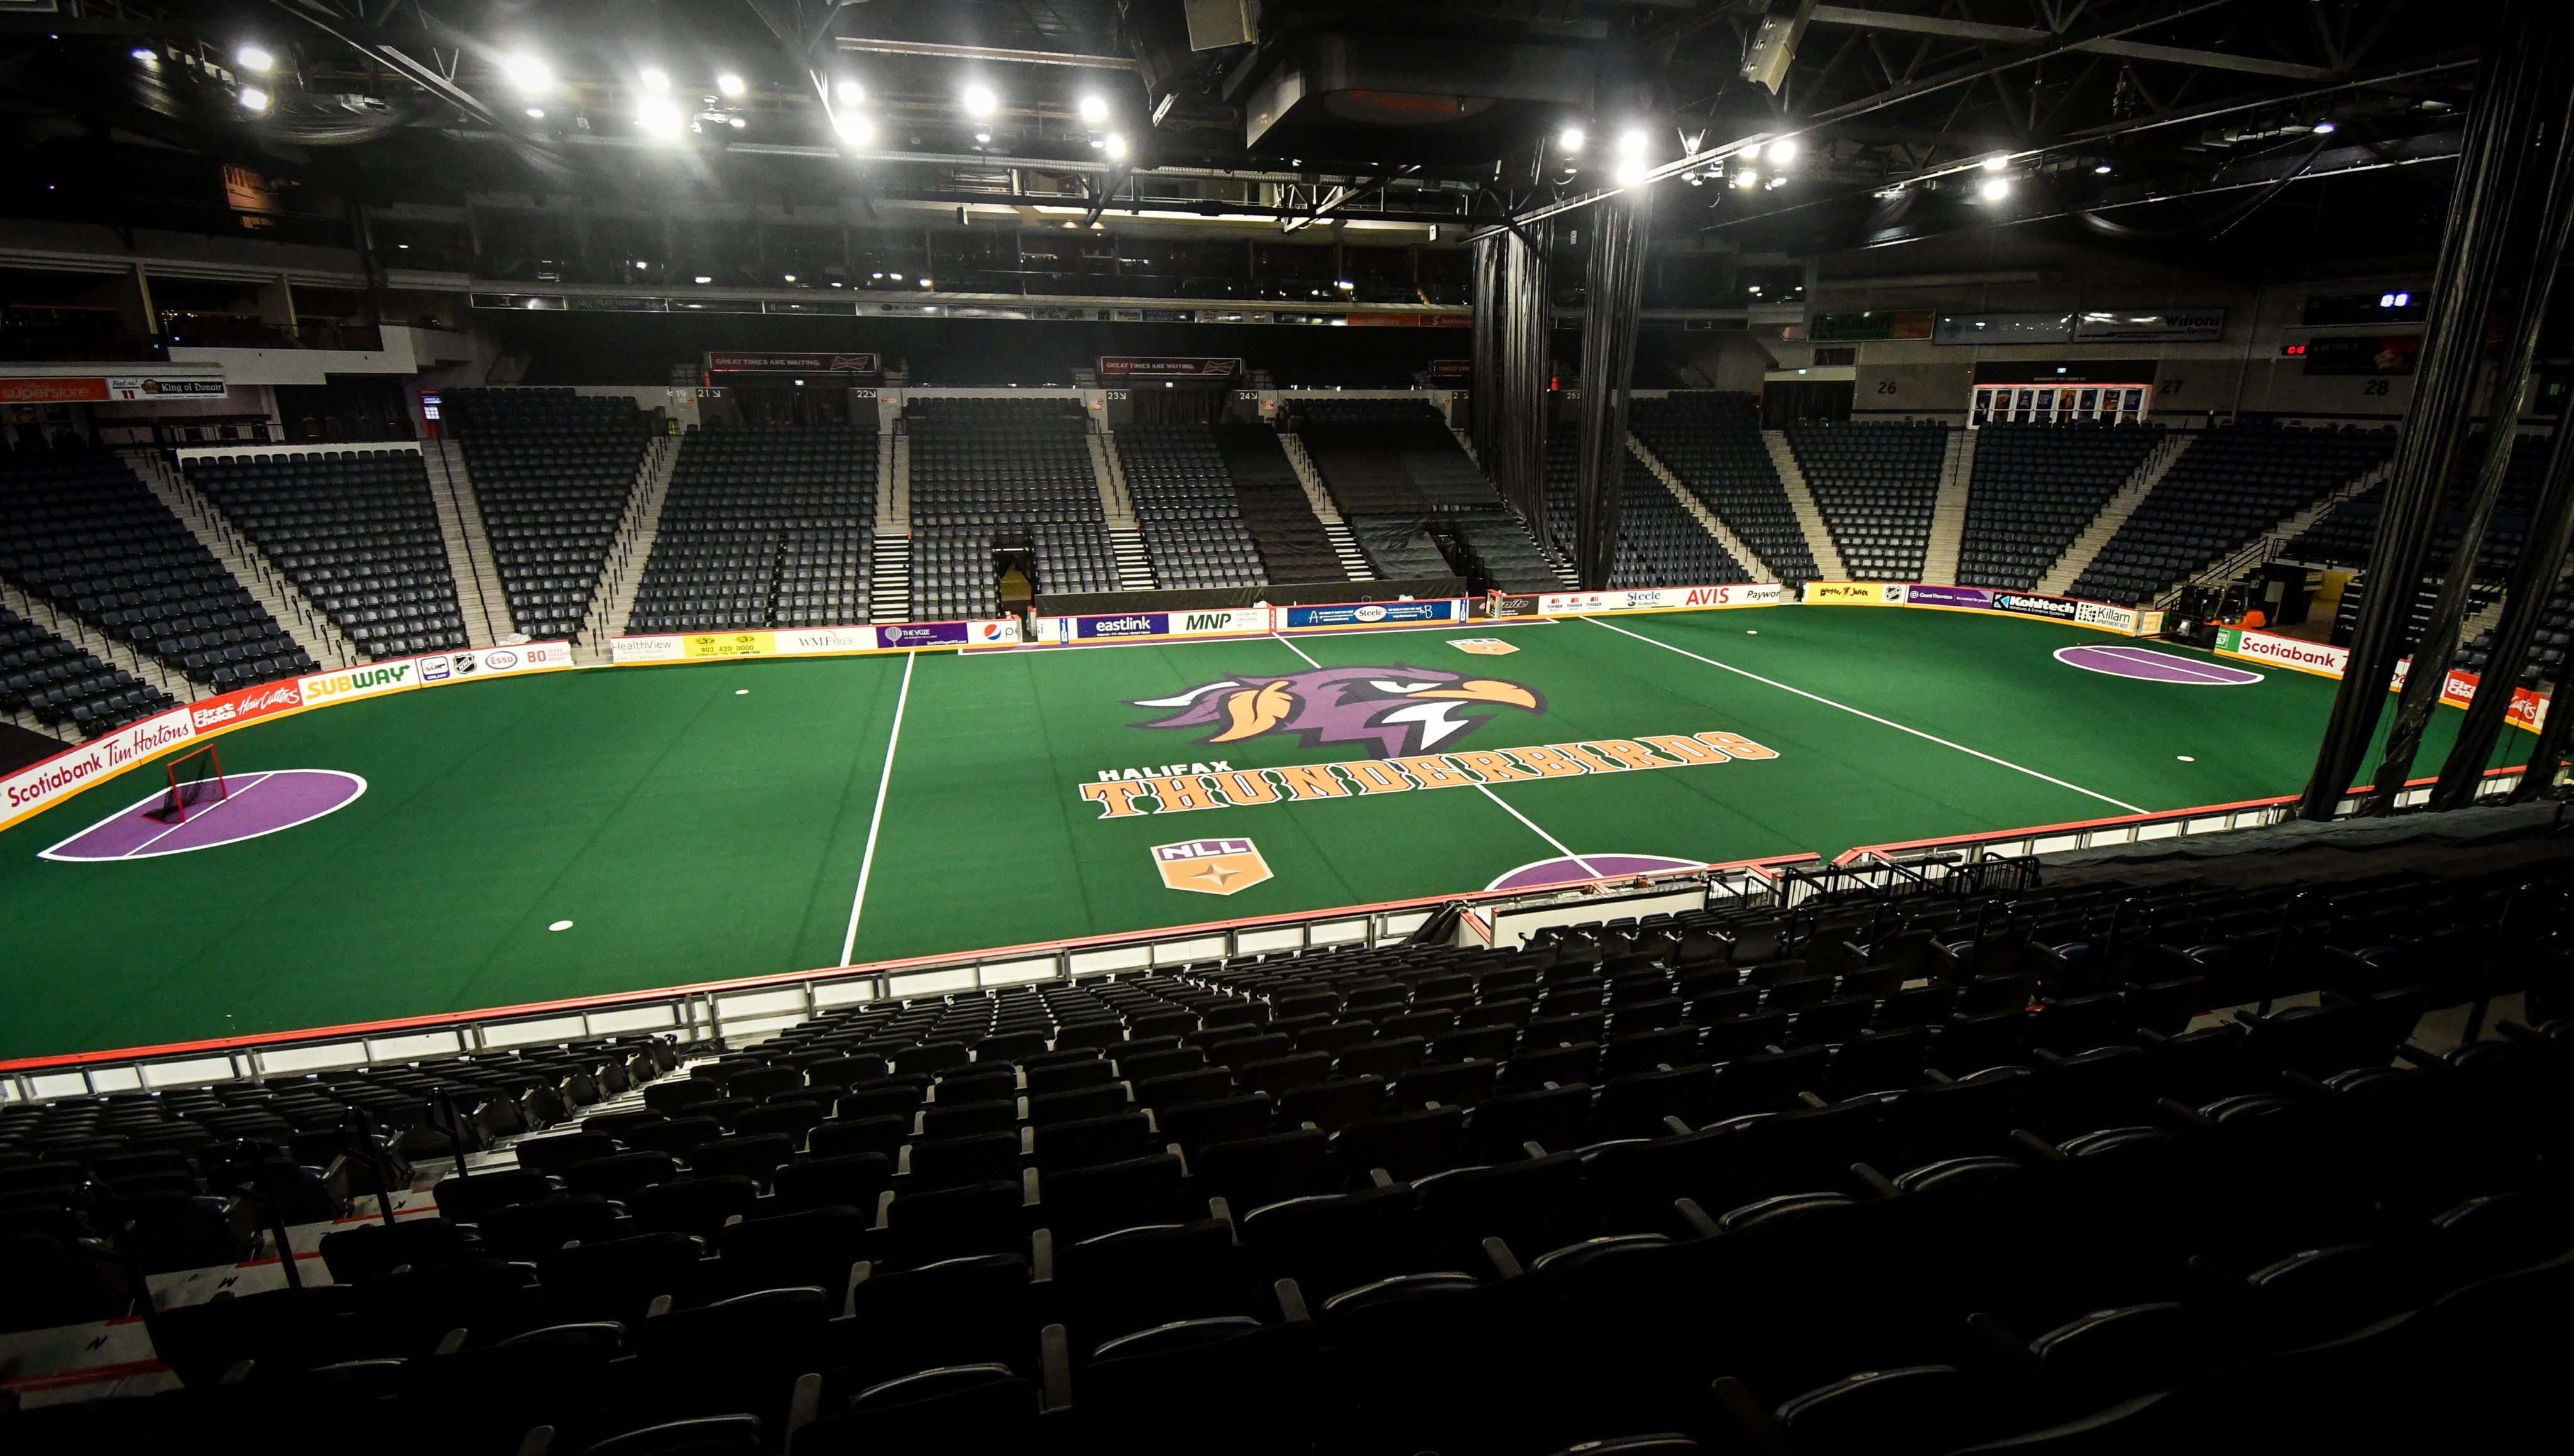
[1211,866]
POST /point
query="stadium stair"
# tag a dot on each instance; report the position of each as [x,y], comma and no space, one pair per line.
[1134,563]
[630,554]
[2274,541]
[890,578]
[1345,545]
[1734,545]
[895,514]
[1948,513]
[2115,512]
[1801,500]
[469,547]
[293,611]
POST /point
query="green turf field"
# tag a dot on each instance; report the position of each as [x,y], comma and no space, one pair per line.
[711,821]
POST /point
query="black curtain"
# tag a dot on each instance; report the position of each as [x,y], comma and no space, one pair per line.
[1511,365]
[1621,227]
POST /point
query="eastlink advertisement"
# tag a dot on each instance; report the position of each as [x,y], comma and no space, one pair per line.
[1374,614]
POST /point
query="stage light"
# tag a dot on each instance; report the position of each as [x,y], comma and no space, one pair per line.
[1780,152]
[1116,147]
[853,128]
[1570,138]
[1092,110]
[2101,171]
[1997,162]
[737,123]
[254,99]
[1630,171]
[850,92]
[526,72]
[730,84]
[2325,128]
[702,278]
[1745,178]
[536,113]
[655,79]
[146,57]
[1994,189]
[979,100]
[252,58]
[658,118]
[1630,142]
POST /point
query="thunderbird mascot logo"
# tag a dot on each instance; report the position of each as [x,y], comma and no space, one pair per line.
[1403,711]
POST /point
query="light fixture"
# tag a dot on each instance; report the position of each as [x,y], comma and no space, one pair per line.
[1116,147]
[146,57]
[1345,284]
[254,99]
[2325,128]
[730,84]
[1630,171]
[924,283]
[2101,171]
[1570,138]
[1994,189]
[979,100]
[1999,161]
[536,113]
[853,128]
[526,72]
[1630,142]
[655,79]
[790,278]
[737,123]
[702,278]
[850,92]
[1745,179]
[252,58]
[658,118]
[896,276]
[1092,110]
[1780,152]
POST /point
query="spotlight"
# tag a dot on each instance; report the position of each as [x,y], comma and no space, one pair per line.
[655,79]
[790,278]
[1116,147]
[1570,138]
[254,99]
[1745,178]
[982,136]
[1782,152]
[924,283]
[536,113]
[853,128]
[658,118]
[146,57]
[1630,142]
[1630,171]
[1092,110]
[2101,171]
[730,84]
[979,100]
[2325,128]
[850,92]
[702,278]
[737,123]
[252,58]
[1994,189]
[526,72]
[1345,285]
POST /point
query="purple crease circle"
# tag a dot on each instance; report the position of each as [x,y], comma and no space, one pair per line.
[2146,665]
[1565,870]
[256,805]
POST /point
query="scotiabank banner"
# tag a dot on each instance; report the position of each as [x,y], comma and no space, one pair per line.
[1659,599]
[2527,710]
[40,787]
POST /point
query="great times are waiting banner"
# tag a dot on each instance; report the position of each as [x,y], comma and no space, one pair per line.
[1129,367]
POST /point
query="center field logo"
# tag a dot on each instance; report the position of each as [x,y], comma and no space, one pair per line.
[1211,866]
[1403,711]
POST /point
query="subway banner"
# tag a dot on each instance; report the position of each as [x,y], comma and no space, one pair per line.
[812,642]
[2323,659]
[40,786]
[1659,599]
[1133,625]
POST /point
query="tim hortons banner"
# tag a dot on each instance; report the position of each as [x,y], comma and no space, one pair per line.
[1221,786]
[1659,599]
[41,785]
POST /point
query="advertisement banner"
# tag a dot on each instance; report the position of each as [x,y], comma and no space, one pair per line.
[2168,325]
[360,681]
[812,642]
[797,642]
[94,389]
[40,786]
[2457,689]
[729,644]
[1123,367]
[731,361]
[624,650]
[1659,599]
[1924,595]
[534,657]
[1373,613]
[1855,594]
[2027,328]
[901,635]
[229,710]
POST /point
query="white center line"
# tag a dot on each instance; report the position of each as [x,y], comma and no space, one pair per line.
[876,822]
[1872,717]
[1559,846]
[228,798]
[1300,652]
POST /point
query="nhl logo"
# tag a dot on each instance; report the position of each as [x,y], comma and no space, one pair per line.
[1211,866]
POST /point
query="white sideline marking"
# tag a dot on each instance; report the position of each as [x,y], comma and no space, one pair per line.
[1560,846]
[228,797]
[876,822]
[1873,718]
[1291,647]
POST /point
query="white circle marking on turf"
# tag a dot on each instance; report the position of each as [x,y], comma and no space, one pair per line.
[2204,674]
[155,795]
[560,925]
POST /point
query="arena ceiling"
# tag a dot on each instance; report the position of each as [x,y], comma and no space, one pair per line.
[2242,135]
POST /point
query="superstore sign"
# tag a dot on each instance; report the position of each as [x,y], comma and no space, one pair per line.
[40,786]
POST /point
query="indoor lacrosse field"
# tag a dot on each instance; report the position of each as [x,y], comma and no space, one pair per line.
[582,832]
